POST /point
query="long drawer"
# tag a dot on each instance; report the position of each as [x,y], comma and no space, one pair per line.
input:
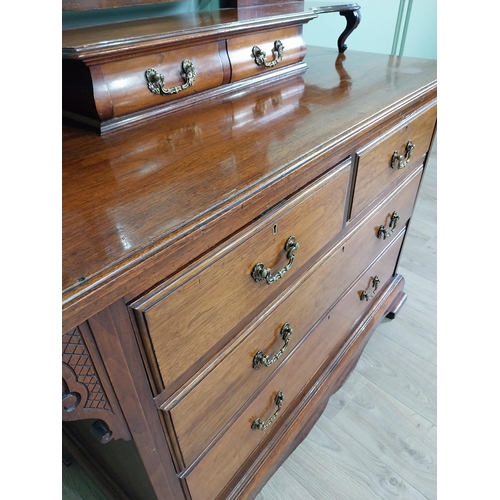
[195,419]
[235,446]
[189,318]
[387,158]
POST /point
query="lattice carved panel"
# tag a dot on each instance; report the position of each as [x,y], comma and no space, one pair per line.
[76,356]
[86,389]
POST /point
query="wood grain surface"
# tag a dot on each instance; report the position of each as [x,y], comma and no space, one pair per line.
[127,87]
[101,41]
[195,417]
[243,65]
[387,446]
[224,459]
[221,285]
[399,459]
[124,227]
[374,160]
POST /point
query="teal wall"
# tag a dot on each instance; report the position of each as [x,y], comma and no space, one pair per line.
[71,19]
[376,31]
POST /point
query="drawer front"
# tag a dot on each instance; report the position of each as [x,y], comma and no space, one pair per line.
[195,314]
[197,419]
[128,87]
[374,170]
[243,50]
[236,445]
[365,244]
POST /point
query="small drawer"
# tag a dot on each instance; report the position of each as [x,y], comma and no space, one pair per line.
[388,157]
[190,317]
[235,376]
[127,86]
[387,220]
[372,281]
[235,446]
[246,53]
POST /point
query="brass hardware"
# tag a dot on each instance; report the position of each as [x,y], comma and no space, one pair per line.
[364,293]
[260,272]
[260,56]
[257,424]
[156,80]
[400,161]
[261,359]
[383,233]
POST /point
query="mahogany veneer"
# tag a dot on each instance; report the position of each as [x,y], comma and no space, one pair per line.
[165,394]
[105,67]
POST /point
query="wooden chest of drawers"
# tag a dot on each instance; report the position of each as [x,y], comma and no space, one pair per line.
[224,270]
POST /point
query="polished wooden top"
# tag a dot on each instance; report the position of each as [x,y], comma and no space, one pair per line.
[131,197]
[105,41]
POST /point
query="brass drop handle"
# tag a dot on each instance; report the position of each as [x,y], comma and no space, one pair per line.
[261,359]
[365,295]
[258,424]
[156,80]
[260,56]
[384,233]
[260,272]
[400,161]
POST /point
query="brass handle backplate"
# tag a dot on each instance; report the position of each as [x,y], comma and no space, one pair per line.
[156,80]
[258,424]
[261,359]
[400,161]
[365,295]
[384,233]
[261,272]
[260,56]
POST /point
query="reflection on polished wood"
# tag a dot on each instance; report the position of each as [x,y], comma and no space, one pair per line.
[335,462]
[377,436]
[164,223]
[127,215]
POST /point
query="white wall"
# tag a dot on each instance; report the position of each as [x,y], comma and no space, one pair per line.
[375,32]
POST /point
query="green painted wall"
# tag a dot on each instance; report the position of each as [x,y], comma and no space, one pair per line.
[71,19]
[375,33]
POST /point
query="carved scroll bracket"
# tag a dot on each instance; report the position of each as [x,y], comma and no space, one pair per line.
[352,14]
[86,391]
